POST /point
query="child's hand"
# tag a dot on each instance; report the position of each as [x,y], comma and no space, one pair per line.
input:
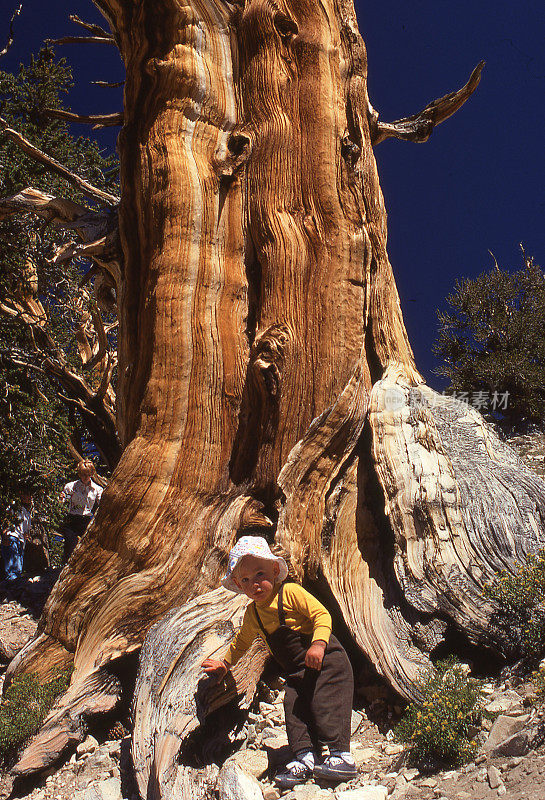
[315,655]
[216,669]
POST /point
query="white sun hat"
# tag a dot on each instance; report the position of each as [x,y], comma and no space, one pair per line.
[252,546]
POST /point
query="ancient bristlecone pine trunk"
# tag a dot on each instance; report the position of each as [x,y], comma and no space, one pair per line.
[265,375]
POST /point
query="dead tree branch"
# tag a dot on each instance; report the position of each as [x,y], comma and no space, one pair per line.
[108,84]
[96,120]
[11,35]
[52,164]
[83,40]
[96,30]
[418,127]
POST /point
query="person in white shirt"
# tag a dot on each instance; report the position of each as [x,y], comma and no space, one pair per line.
[83,497]
[16,531]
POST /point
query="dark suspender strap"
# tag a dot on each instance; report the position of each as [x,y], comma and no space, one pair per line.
[259,622]
[281,615]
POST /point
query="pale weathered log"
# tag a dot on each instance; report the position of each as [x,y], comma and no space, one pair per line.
[258,315]
[82,40]
[461,504]
[172,696]
[96,120]
[66,723]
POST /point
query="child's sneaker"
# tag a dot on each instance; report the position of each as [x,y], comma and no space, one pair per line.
[295,773]
[336,768]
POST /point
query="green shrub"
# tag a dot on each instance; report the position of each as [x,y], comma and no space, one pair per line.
[519,617]
[24,707]
[538,679]
[439,729]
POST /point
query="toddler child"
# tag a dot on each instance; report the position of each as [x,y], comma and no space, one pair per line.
[297,631]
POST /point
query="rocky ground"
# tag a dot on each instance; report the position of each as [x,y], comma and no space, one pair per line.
[510,764]
[531,449]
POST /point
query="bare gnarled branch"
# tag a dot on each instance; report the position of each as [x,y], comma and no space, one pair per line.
[96,120]
[52,164]
[92,27]
[83,40]
[11,35]
[418,127]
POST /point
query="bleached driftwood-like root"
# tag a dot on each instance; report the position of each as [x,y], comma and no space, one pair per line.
[458,506]
[175,703]
[327,528]
[460,502]
[65,725]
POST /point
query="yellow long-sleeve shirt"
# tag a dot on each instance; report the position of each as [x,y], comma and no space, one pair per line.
[302,611]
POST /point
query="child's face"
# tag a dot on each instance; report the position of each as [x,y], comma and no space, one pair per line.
[256,577]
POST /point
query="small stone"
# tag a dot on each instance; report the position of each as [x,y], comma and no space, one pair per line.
[411,774]
[508,701]
[105,790]
[271,793]
[393,749]
[363,754]
[114,748]
[89,745]
[428,783]
[251,734]
[502,790]
[355,723]
[254,762]
[507,737]
[235,784]
[278,750]
[494,777]
[363,793]
[514,762]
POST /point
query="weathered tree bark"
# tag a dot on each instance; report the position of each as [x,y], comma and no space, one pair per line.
[265,375]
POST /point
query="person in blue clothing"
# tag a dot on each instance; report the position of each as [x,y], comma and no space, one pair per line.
[15,532]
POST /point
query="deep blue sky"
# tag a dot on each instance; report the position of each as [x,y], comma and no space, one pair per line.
[478,184]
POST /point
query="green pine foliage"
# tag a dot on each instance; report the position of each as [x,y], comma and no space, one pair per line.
[492,339]
[24,707]
[34,423]
[439,730]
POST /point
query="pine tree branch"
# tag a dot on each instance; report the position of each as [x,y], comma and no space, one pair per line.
[53,165]
[418,127]
[96,120]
